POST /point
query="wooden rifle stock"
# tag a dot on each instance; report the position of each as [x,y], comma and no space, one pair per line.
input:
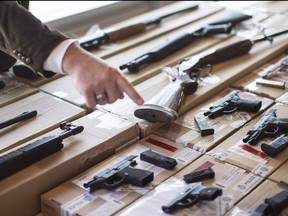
[117,34]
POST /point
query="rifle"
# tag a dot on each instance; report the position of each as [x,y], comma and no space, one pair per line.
[120,174]
[222,26]
[164,106]
[2,84]
[232,103]
[268,126]
[127,31]
[35,151]
[193,193]
[272,206]
[276,146]
[21,117]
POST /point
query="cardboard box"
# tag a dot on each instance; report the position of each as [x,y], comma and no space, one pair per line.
[234,182]
[251,83]
[249,204]
[185,131]
[99,140]
[280,175]
[13,90]
[51,111]
[251,157]
[63,88]
[72,198]
[270,7]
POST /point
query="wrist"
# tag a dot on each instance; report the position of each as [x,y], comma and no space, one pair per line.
[70,62]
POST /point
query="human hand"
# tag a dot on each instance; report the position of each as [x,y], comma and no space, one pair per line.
[93,76]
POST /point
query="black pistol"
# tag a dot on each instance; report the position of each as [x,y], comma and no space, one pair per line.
[268,126]
[119,174]
[232,103]
[194,193]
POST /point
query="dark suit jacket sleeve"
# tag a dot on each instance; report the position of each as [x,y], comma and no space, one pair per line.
[25,37]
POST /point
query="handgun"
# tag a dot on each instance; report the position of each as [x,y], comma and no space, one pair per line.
[193,193]
[268,126]
[232,103]
[119,174]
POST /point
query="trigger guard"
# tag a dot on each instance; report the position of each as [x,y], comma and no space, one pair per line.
[272,130]
[113,183]
[229,111]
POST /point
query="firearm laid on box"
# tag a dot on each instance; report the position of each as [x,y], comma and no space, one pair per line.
[126,31]
[221,26]
[232,103]
[164,106]
[279,67]
[268,126]
[119,174]
[23,116]
[2,84]
[272,206]
[194,193]
[35,151]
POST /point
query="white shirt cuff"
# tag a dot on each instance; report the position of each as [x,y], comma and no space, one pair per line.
[54,61]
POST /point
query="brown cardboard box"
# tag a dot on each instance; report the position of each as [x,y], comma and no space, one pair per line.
[13,90]
[185,131]
[280,175]
[51,111]
[270,7]
[72,198]
[167,25]
[64,89]
[233,150]
[234,182]
[249,204]
[99,140]
[250,81]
